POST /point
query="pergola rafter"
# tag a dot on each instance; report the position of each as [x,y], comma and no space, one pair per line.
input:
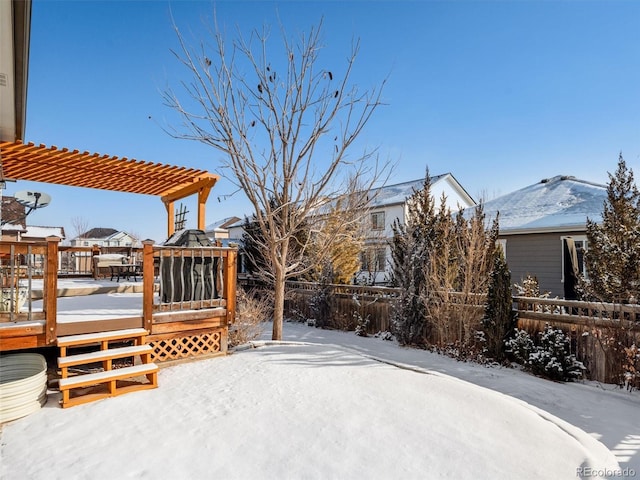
[39,163]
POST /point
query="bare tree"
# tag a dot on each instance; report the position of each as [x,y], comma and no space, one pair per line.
[80,226]
[285,125]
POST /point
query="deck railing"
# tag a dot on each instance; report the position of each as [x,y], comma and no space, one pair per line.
[21,263]
[186,279]
[78,261]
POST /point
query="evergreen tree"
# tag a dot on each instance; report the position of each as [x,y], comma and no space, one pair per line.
[256,248]
[613,256]
[410,247]
[251,241]
[499,318]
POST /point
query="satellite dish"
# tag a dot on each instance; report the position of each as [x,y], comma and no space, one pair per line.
[32,200]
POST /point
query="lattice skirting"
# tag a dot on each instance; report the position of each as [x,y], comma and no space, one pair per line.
[186,345]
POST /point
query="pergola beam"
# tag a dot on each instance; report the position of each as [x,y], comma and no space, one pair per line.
[39,163]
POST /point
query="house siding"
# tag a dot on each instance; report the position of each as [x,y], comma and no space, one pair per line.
[539,255]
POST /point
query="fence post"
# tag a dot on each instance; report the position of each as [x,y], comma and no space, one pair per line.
[50,293]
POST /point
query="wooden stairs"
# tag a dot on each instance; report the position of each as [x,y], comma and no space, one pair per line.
[112,380]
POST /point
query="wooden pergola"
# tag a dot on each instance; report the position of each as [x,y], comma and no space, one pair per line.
[39,163]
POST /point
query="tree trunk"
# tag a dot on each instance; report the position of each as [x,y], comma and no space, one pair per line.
[278,305]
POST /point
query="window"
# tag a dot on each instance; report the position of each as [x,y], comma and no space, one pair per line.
[377,221]
[580,241]
[502,242]
[374,259]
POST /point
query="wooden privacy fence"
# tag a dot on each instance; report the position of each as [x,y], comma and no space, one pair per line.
[598,331]
[369,303]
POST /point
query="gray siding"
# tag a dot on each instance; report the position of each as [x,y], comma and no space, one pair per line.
[538,255]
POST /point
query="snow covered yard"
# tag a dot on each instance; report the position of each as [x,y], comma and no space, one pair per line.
[339,406]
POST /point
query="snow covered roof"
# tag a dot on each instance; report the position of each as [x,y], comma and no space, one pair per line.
[34,231]
[223,223]
[10,227]
[560,203]
[395,194]
[398,193]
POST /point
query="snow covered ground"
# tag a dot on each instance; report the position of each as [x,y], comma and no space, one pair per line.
[331,405]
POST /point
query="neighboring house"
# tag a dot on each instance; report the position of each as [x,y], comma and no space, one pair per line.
[13,219]
[14,227]
[35,233]
[220,229]
[535,221]
[104,237]
[388,204]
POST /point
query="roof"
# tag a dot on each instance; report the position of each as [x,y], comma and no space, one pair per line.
[35,231]
[222,224]
[561,203]
[399,192]
[99,233]
[39,163]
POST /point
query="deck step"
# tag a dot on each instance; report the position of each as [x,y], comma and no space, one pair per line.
[107,376]
[89,338]
[87,387]
[102,355]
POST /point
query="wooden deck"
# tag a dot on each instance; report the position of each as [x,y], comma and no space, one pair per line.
[186,299]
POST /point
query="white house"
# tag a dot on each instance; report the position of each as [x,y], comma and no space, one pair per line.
[390,203]
[220,229]
[104,237]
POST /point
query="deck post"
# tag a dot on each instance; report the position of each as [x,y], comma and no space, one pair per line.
[95,250]
[171,225]
[229,273]
[50,293]
[147,284]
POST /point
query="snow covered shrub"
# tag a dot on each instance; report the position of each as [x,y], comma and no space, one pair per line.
[361,323]
[549,357]
[251,313]
[520,346]
[320,304]
[553,358]
[631,367]
[529,288]
[388,336]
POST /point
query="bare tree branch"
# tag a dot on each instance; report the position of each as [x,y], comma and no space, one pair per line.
[286,127]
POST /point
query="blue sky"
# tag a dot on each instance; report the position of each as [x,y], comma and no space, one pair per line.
[501,94]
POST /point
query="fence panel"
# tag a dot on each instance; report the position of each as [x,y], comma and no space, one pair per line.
[597,330]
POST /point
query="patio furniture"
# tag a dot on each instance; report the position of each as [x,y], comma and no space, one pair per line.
[126,271]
